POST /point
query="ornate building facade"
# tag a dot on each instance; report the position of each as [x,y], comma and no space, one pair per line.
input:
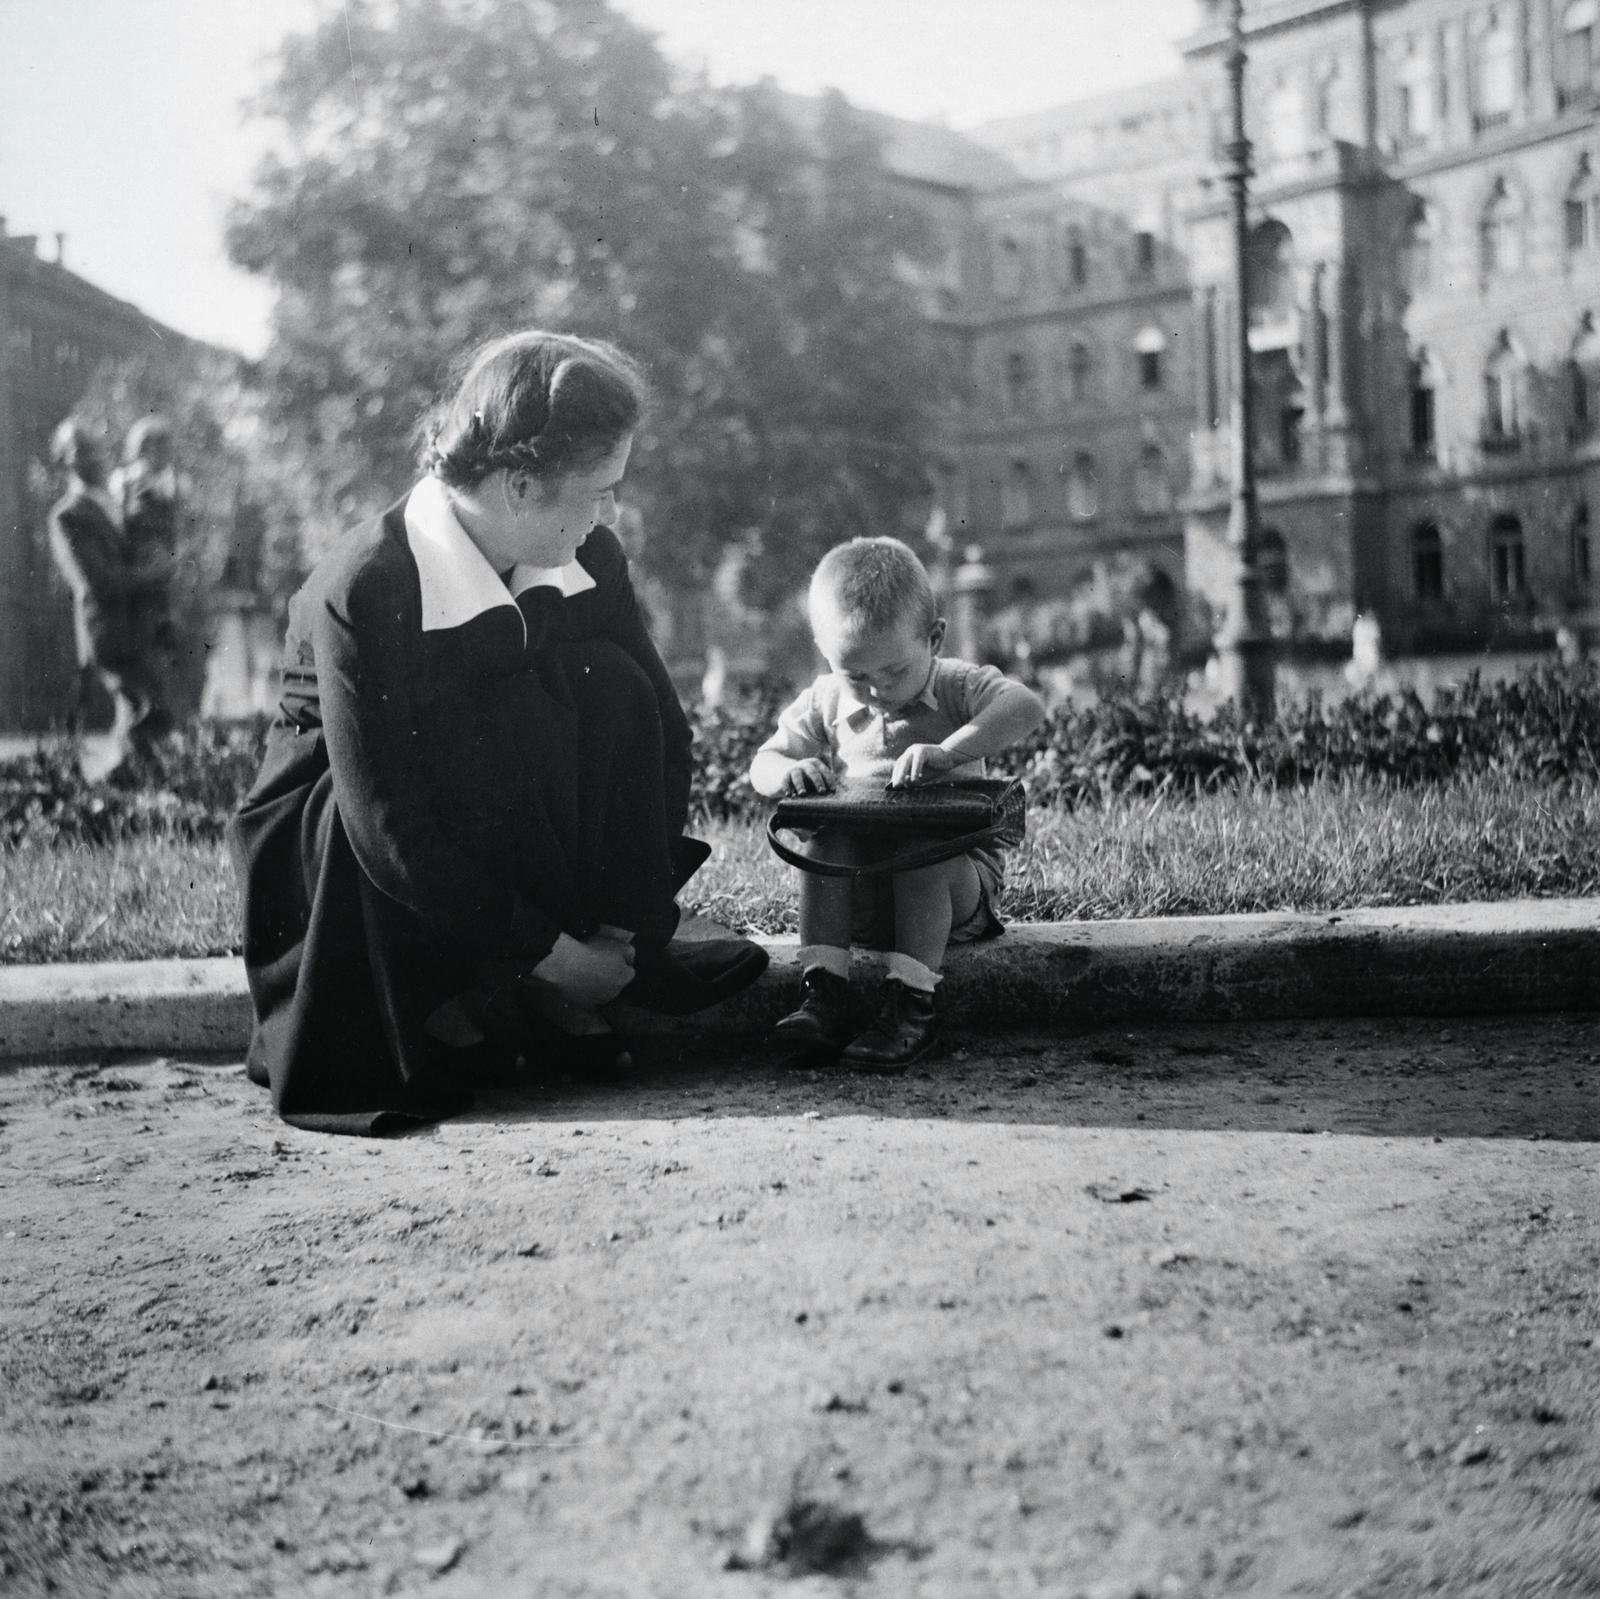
[1425,282]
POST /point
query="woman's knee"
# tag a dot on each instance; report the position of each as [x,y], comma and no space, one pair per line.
[601,666]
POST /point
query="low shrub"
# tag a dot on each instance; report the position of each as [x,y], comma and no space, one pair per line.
[1544,726]
[187,787]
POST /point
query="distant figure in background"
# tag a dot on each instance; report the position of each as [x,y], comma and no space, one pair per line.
[90,551]
[145,486]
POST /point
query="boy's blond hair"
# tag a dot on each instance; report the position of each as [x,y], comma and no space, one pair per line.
[873,585]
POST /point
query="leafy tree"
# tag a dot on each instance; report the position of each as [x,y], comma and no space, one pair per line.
[451,169]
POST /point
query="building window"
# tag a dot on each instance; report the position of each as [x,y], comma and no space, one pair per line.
[1501,231]
[1497,72]
[1581,209]
[1290,417]
[1422,408]
[1213,394]
[1575,53]
[1502,395]
[1327,96]
[1579,546]
[1507,569]
[1079,373]
[1286,120]
[1019,383]
[1427,561]
[1016,493]
[1414,94]
[1584,374]
[1577,217]
[1144,254]
[1152,486]
[1083,487]
[1149,346]
[1272,561]
[1076,259]
[1008,268]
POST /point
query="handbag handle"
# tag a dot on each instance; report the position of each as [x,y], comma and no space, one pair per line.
[929,854]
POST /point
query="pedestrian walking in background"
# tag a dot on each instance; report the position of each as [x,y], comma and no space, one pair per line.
[145,488]
[90,549]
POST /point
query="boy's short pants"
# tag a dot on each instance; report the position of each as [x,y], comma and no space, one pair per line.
[872,915]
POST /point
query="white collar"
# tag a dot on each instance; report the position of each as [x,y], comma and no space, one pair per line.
[851,705]
[457,582]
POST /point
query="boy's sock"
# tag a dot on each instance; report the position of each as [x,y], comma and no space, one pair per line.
[830,957]
[909,970]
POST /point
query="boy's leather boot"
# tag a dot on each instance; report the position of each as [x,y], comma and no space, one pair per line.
[904,1031]
[822,1023]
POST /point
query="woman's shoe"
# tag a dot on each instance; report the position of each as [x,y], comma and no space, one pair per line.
[687,977]
[904,1031]
[821,1026]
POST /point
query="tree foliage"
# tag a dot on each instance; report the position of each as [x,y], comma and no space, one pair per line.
[452,169]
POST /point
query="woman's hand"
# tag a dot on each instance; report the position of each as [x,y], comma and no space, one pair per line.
[587,972]
[921,762]
[810,776]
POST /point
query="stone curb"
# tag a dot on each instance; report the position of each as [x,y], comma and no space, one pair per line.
[1454,960]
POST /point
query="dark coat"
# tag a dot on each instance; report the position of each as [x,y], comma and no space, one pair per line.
[90,552]
[421,812]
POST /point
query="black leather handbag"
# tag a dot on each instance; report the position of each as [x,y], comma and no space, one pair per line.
[933,821]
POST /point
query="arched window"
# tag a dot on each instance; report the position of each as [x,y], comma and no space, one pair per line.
[1581,210]
[1083,487]
[1152,485]
[1427,561]
[1019,383]
[1507,569]
[1016,493]
[1008,267]
[1584,370]
[1414,79]
[1578,546]
[1421,234]
[1501,231]
[1078,373]
[1272,561]
[1502,394]
[1423,414]
[1497,71]
[1149,346]
[1575,53]
[1270,264]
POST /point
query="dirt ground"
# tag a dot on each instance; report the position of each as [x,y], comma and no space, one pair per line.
[1282,1309]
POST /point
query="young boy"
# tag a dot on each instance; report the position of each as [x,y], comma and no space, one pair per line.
[891,708]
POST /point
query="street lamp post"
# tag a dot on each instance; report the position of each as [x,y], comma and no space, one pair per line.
[1245,644]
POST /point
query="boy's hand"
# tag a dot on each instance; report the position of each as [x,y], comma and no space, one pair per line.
[920,763]
[810,776]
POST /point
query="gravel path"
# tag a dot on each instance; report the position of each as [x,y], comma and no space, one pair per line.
[1274,1310]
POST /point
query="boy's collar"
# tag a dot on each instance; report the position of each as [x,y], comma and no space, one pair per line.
[853,706]
[457,582]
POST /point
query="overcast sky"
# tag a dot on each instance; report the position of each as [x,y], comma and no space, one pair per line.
[120,123]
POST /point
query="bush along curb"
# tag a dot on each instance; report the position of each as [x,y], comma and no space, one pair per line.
[1458,960]
[1544,726]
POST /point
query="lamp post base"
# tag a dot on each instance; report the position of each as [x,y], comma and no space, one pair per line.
[1247,675]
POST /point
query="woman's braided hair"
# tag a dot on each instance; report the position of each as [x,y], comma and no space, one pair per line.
[535,402]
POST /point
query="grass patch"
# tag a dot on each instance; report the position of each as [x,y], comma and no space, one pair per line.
[142,898]
[1333,845]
